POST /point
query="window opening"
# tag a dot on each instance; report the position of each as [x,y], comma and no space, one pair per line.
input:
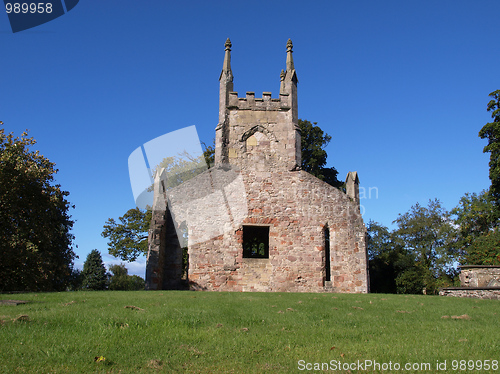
[328,274]
[255,241]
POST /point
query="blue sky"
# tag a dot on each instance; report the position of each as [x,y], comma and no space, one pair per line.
[401,86]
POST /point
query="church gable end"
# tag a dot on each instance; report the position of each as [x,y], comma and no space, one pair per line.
[292,231]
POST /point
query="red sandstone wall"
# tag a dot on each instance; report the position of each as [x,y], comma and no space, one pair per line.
[296,206]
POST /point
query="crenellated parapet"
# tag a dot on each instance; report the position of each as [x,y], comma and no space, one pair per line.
[258,132]
[250,102]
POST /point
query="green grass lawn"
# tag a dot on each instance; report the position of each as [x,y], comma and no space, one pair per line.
[211,332]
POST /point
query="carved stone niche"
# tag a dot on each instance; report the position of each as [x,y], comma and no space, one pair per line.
[480,276]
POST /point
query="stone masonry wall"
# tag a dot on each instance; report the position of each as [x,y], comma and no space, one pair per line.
[480,276]
[296,206]
[478,281]
[164,269]
[256,181]
[471,292]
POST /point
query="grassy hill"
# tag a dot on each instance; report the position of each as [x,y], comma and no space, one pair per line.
[202,332]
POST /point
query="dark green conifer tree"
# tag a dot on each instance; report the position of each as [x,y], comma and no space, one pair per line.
[94,272]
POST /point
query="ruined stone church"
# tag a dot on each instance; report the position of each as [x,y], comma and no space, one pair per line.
[256,221]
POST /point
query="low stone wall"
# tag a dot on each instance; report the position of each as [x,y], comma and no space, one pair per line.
[477,281]
[475,292]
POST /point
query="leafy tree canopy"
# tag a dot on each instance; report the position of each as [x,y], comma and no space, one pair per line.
[36,251]
[478,233]
[382,258]
[491,132]
[392,268]
[120,280]
[313,142]
[181,168]
[428,234]
[484,250]
[474,217]
[209,154]
[128,238]
[478,216]
[379,240]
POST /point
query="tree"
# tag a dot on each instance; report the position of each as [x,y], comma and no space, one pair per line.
[381,269]
[181,168]
[475,218]
[209,154]
[136,283]
[392,268]
[313,141]
[427,234]
[382,257]
[36,251]
[128,239]
[419,255]
[120,280]
[478,233]
[412,280]
[491,131]
[75,282]
[94,275]
[484,250]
